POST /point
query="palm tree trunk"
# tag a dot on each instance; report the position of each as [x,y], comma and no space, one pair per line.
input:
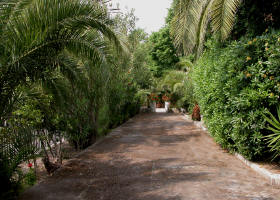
[93,117]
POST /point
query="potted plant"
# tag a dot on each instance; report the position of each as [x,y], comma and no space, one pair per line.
[166,100]
[154,99]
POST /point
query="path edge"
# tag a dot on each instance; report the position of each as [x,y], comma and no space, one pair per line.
[272,177]
[111,133]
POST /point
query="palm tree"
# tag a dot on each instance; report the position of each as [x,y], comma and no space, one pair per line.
[34,33]
[190,23]
[41,40]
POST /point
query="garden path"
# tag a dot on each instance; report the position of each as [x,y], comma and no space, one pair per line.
[155,156]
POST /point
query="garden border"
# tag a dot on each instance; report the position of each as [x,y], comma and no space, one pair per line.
[272,177]
[111,133]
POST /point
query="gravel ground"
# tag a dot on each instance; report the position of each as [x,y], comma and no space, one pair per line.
[155,156]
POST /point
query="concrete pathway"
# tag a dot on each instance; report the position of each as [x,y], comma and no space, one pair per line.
[155,156]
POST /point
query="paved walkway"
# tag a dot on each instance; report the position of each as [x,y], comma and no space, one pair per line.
[155,157]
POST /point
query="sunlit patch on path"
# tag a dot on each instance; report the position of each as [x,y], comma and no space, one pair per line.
[160,110]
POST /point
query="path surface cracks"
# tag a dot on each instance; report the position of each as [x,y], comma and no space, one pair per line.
[155,156]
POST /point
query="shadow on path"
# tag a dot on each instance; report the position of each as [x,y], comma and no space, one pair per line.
[154,157]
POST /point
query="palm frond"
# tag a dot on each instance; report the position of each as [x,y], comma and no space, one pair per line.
[177,87]
[184,64]
[12,8]
[223,16]
[273,139]
[34,37]
[202,27]
[64,21]
[190,23]
[183,25]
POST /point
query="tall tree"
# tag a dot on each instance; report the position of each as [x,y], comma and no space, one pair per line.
[162,51]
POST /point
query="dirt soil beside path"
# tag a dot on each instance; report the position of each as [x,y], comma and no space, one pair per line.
[155,156]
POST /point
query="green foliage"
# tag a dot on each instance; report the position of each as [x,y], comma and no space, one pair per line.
[191,18]
[185,63]
[30,177]
[123,102]
[17,144]
[254,16]
[29,38]
[125,22]
[139,72]
[188,99]
[179,86]
[234,86]
[20,138]
[170,82]
[64,75]
[273,139]
[162,51]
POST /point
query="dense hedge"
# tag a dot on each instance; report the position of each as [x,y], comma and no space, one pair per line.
[234,86]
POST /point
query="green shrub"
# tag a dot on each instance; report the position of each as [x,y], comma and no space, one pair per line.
[180,87]
[16,146]
[30,177]
[234,86]
[188,100]
[273,139]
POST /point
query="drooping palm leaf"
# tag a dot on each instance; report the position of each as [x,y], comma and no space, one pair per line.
[202,26]
[223,16]
[183,25]
[32,38]
[190,23]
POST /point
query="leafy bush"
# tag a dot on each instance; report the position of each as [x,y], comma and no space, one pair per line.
[188,99]
[16,146]
[273,140]
[180,87]
[162,51]
[30,177]
[234,86]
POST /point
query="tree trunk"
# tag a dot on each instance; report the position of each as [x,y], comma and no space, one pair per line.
[93,117]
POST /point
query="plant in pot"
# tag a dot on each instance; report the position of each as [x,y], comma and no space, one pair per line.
[196,113]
